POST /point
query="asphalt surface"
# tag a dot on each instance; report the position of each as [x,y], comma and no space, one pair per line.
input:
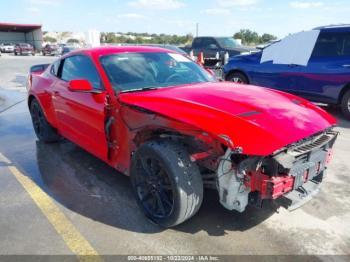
[99,204]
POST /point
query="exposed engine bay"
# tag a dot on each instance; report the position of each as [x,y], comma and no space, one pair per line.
[294,172]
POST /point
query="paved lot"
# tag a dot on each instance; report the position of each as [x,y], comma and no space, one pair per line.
[97,204]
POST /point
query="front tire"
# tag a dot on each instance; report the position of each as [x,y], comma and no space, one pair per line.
[167,185]
[237,77]
[345,104]
[43,130]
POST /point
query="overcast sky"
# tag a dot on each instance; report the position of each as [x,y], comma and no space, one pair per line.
[215,17]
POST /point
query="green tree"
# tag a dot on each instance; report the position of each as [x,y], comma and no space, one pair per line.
[249,37]
[49,39]
[267,37]
[109,37]
[73,41]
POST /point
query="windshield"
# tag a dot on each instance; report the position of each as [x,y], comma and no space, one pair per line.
[227,42]
[135,71]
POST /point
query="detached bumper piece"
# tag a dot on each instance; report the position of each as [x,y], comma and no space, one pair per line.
[301,196]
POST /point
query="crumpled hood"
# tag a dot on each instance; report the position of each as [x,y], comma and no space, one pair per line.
[259,120]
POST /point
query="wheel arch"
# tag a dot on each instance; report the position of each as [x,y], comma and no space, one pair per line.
[237,70]
[51,119]
[157,133]
[31,97]
[200,145]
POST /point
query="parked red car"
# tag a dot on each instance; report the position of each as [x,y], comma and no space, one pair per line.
[50,49]
[24,49]
[157,116]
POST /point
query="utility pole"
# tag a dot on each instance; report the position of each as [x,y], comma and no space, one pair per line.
[197,29]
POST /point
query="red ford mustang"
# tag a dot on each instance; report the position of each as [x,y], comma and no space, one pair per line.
[155,115]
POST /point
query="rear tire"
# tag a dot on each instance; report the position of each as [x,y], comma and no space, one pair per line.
[168,187]
[43,130]
[345,104]
[237,77]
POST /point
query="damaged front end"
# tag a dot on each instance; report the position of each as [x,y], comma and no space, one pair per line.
[294,172]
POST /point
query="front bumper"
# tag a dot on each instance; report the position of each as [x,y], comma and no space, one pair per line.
[302,194]
[294,172]
[25,52]
[299,171]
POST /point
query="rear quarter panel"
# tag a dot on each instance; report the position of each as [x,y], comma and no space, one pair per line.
[41,88]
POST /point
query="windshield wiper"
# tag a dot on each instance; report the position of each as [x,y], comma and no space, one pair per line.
[140,89]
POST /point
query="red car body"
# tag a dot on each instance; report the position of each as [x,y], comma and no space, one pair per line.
[248,120]
[50,49]
[24,49]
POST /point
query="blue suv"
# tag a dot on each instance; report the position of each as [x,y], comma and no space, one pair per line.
[325,78]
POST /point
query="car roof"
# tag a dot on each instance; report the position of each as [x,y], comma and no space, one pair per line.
[334,28]
[108,50]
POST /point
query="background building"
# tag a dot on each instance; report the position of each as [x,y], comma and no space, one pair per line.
[21,33]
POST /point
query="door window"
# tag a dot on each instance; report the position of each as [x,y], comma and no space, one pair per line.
[332,45]
[346,49]
[197,43]
[54,68]
[80,67]
[209,43]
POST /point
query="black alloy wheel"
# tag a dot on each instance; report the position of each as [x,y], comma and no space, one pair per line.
[43,130]
[154,188]
[237,77]
[168,186]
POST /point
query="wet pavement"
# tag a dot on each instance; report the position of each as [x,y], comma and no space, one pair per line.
[99,203]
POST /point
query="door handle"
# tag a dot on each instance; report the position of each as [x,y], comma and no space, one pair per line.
[347,66]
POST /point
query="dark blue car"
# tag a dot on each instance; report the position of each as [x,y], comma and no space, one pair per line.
[325,78]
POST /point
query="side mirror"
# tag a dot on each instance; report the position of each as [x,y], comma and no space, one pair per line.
[80,85]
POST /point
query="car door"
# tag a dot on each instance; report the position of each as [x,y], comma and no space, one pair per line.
[80,115]
[277,76]
[282,61]
[207,45]
[328,70]
[210,48]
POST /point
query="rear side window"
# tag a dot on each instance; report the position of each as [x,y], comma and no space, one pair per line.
[81,67]
[208,42]
[197,43]
[346,49]
[54,68]
[332,45]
